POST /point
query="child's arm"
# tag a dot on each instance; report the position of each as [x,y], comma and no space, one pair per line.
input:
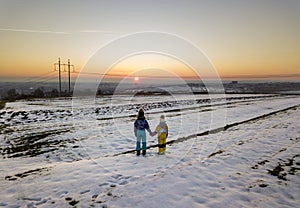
[134,128]
[135,131]
[147,127]
[167,128]
[156,130]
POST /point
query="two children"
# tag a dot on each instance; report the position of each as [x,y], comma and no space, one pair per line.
[140,127]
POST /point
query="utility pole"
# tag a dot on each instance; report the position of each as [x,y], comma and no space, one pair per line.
[59,76]
[69,66]
[59,64]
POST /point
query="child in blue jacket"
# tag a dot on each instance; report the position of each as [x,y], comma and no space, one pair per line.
[140,125]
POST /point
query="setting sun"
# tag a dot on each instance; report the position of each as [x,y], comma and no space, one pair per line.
[136,79]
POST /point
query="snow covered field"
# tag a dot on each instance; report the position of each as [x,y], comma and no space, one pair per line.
[232,151]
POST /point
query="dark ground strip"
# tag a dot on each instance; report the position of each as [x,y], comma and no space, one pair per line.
[32,145]
[149,106]
[26,173]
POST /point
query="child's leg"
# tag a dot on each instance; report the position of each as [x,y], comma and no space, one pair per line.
[138,141]
[143,136]
[164,142]
[160,143]
[138,145]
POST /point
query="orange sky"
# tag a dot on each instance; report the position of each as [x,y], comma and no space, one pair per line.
[244,40]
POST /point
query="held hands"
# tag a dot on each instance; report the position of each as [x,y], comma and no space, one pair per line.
[153,133]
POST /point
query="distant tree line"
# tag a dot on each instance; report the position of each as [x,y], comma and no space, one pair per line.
[2,104]
[12,94]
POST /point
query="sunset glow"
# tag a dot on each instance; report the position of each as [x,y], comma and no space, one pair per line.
[262,40]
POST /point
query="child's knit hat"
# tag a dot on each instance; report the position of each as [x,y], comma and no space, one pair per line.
[141,113]
[162,118]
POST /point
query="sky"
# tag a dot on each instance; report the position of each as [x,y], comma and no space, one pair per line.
[241,39]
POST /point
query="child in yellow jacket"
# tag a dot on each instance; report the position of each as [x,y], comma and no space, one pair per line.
[162,134]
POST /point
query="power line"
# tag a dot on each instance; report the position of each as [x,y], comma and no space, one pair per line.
[34,79]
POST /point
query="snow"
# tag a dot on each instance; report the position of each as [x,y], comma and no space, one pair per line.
[250,164]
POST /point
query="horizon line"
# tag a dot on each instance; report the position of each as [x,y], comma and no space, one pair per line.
[45,75]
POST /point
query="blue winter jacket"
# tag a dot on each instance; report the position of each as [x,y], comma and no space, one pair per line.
[141,124]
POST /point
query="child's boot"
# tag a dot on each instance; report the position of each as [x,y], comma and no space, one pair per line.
[144,148]
[138,152]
